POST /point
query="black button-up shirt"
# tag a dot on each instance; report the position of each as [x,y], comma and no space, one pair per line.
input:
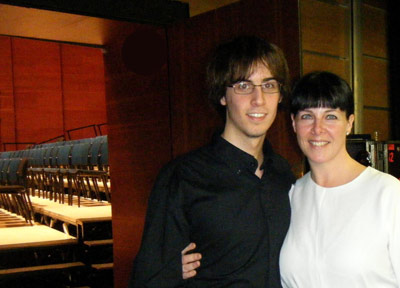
[212,197]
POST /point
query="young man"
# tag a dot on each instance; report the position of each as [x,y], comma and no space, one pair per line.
[231,196]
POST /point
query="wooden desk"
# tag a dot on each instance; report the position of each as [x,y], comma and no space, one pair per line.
[36,235]
[73,215]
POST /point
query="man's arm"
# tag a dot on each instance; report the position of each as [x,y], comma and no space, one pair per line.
[158,263]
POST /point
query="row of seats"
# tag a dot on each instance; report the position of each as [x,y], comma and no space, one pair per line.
[73,168]
[41,154]
[77,154]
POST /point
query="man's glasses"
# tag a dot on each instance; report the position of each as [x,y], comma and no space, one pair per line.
[247,87]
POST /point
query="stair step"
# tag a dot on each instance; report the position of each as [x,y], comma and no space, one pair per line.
[98,242]
[40,268]
[103,266]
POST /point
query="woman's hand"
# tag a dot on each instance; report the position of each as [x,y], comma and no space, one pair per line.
[190,262]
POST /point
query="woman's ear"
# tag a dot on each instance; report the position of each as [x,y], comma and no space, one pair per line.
[293,122]
[350,122]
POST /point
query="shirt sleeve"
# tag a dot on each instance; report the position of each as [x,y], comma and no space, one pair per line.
[158,263]
[394,244]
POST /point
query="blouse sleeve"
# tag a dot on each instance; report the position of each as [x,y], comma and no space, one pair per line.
[394,244]
[158,263]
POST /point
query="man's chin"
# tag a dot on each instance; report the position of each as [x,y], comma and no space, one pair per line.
[255,135]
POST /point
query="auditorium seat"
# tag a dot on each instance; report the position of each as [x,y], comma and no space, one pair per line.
[13,193]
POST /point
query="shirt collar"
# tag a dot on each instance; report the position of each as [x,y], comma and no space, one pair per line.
[236,158]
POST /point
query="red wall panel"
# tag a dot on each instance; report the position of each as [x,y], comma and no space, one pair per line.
[83,89]
[37,89]
[7,119]
[47,88]
[139,134]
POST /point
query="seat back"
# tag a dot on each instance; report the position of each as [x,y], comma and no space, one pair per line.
[64,156]
[80,154]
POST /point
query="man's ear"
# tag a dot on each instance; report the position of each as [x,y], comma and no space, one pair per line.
[223,101]
[293,122]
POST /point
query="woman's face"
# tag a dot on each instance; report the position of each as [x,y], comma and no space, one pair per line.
[321,133]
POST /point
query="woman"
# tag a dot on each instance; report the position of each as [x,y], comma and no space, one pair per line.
[345,223]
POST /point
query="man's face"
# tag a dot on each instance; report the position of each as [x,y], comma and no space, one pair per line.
[250,115]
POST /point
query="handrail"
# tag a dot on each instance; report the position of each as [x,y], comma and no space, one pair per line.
[16,143]
[54,138]
[99,127]
[96,128]
[79,128]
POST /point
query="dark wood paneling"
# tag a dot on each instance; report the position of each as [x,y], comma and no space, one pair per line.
[193,120]
[6,94]
[394,67]
[139,133]
[323,24]
[383,4]
[339,66]
[37,89]
[377,121]
[83,88]
[374,31]
[376,86]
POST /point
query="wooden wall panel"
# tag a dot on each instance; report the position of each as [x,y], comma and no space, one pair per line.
[324,28]
[339,66]
[201,6]
[374,31]
[377,120]
[189,47]
[37,89]
[375,67]
[139,133]
[7,117]
[376,86]
[47,88]
[83,87]
[394,66]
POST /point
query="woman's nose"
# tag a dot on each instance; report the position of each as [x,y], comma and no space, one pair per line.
[318,127]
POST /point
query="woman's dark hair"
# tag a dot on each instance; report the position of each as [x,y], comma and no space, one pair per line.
[322,89]
[235,60]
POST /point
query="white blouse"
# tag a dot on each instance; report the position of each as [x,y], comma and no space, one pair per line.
[345,236]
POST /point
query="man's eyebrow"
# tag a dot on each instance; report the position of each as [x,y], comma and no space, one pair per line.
[268,79]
